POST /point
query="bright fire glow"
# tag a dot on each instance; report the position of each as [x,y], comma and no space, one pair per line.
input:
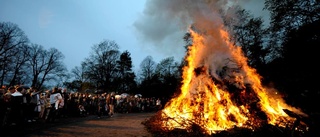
[208,104]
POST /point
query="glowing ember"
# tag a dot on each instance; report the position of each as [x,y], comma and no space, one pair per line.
[205,99]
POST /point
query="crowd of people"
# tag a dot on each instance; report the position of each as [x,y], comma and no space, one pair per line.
[19,105]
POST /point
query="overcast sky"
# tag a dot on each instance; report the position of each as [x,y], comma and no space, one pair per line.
[74,26]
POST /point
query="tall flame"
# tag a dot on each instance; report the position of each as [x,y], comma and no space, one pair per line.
[208,104]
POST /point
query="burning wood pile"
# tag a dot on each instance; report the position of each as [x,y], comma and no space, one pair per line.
[224,100]
[221,95]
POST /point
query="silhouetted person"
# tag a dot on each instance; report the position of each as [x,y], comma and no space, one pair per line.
[16,116]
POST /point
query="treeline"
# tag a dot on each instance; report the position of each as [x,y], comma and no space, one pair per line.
[22,62]
[284,53]
[105,70]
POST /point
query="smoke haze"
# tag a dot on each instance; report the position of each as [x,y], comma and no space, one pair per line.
[161,27]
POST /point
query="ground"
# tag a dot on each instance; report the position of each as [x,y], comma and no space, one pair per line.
[120,125]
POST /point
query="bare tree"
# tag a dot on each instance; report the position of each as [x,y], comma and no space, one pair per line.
[100,67]
[46,65]
[251,35]
[286,16]
[11,38]
[78,73]
[166,66]
[147,68]
[80,79]
[19,73]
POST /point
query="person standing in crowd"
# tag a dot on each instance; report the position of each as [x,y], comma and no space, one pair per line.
[47,105]
[158,104]
[7,105]
[55,99]
[34,105]
[43,102]
[16,115]
[101,105]
[28,107]
[11,90]
[64,109]
[60,103]
[108,96]
[112,102]
[4,106]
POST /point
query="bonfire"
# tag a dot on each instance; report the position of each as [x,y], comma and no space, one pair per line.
[220,92]
[219,96]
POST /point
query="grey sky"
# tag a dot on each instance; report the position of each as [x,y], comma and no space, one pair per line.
[143,27]
[74,26]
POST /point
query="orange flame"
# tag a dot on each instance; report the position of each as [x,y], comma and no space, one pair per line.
[208,104]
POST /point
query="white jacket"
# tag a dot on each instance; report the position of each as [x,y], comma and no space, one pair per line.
[56,98]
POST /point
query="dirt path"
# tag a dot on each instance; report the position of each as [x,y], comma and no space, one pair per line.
[120,125]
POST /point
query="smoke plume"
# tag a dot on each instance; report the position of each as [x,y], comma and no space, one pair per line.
[165,22]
